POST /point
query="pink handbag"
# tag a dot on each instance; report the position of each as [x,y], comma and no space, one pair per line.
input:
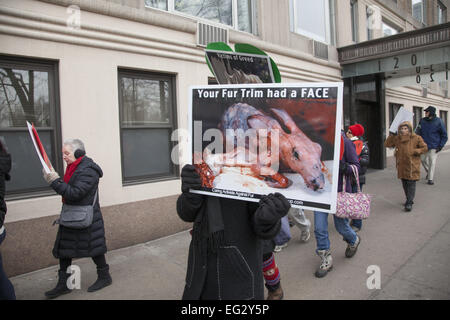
[353,205]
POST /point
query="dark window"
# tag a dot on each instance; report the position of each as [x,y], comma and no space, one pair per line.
[417,116]
[443,116]
[147,120]
[354,19]
[393,109]
[29,92]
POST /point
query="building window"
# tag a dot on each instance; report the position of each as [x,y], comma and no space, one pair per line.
[29,92]
[418,10]
[443,116]
[312,19]
[388,29]
[369,22]
[393,109]
[417,116]
[239,14]
[147,120]
[354,17]
[441,13]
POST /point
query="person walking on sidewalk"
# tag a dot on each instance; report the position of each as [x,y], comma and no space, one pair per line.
[433,132]
[355,133]
[79,187]
[342,225]
[298,218]
[408,148]
[226,251]
[6,288]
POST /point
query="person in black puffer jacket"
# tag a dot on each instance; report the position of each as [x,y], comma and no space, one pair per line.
[79,187]
[6,287]
[225,253]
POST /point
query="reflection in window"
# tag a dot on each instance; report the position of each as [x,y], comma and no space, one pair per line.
[418,10]
[28,93]
[147,121]
[311,19]
[441,13]
[388,30]
[217,11]
[239,14]
[354,16]
[24,96]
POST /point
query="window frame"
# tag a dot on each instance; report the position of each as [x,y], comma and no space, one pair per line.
[443,114]
[423,14]
[354,20]
[392,113]
[328,23]
[415,119]
[148,75]
[441,8]
[234,15]
[52,68]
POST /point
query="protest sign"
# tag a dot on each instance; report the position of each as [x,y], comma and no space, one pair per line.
[39,148]
[251,140]
[401,116]
[238,67]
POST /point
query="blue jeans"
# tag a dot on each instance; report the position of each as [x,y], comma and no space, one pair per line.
[321,230]
[6,287]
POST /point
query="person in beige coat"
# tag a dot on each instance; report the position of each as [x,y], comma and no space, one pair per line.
[408,148]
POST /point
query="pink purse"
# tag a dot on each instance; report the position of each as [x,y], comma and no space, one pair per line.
[353,205]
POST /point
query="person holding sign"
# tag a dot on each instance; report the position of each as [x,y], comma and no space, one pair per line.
[79,187]
[408,148]
[225,253]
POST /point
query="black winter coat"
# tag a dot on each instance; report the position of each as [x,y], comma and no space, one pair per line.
[5,167]
[80,190]
[235,271]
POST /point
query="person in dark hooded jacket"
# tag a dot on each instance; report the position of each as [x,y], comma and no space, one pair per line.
[433,132]
[226,250]
[6,287]
[79,187]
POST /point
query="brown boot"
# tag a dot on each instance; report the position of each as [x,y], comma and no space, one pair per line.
[276,294]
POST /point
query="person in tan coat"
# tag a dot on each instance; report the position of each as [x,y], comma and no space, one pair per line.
[408,148]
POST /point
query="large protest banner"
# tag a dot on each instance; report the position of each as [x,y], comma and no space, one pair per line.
[250,140]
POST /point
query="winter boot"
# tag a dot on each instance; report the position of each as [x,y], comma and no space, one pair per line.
[276,294]
[326,265]
[351,249]
[61,287]
[104,279]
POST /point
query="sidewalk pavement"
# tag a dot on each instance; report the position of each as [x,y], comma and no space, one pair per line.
[411,249]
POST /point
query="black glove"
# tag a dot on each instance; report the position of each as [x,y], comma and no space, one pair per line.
[189,178]
[274,206]
[438,149]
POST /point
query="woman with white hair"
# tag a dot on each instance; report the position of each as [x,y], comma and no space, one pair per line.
[79,187]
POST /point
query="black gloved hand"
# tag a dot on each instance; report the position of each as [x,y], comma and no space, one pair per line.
[189,178]
[438,149]
[274,206]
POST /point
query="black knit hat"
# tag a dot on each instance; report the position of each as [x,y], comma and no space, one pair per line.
[431,110]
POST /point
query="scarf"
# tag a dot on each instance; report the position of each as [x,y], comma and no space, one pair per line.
[71,169]
[210,228]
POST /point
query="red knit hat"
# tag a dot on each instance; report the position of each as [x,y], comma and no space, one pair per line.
[357,130]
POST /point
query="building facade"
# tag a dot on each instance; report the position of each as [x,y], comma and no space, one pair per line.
[116,74]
